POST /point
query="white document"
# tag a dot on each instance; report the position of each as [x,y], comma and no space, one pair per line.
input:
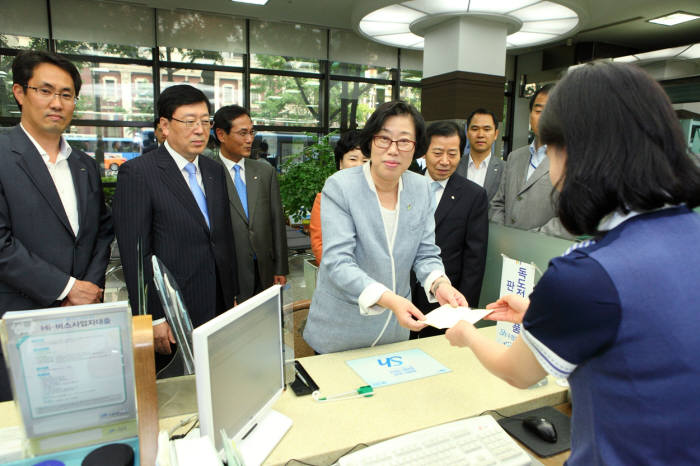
[447,316]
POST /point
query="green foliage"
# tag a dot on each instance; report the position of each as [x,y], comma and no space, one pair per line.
[304,174]
[108,187]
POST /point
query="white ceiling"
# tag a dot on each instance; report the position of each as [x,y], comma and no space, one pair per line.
[618,22]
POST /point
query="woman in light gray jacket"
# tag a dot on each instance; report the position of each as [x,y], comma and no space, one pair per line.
[377,223]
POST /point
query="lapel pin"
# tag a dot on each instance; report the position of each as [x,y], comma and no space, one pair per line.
[255,177]
[408,207]
[452,197]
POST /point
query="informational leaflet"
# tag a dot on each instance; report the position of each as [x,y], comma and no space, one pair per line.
[72,367]
[66,372]
[398,367]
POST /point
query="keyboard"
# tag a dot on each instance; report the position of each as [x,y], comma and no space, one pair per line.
[475,441]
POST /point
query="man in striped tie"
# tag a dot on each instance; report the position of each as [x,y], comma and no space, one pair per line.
[174,203]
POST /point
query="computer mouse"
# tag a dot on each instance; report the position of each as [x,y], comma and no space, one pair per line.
[542,428]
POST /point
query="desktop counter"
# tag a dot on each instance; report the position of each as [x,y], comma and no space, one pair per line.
[324,431]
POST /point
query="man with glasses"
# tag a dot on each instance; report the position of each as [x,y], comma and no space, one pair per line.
[55,229]
[173,203]
[255,205]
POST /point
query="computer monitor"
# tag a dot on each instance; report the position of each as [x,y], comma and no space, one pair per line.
[239,373]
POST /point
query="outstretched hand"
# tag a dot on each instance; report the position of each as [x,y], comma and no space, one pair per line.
[448,294]
[406,313]
[509,308]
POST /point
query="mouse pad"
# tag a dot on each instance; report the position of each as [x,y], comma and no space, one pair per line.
[561,422]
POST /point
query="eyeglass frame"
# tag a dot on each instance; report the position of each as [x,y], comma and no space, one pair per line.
[48,97]
[381,137]
[245,133]
[191,124]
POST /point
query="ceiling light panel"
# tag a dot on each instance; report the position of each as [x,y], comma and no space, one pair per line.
[253,2]
[521,39]
[436,7]
[543,11]
[396,13]
[498,6]
[626,59]
[660,54]
[554,26]
[692,52]
[675,18]
[401,40]
[375,28]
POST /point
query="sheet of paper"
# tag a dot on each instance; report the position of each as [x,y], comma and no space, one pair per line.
[388,369]
[447,316]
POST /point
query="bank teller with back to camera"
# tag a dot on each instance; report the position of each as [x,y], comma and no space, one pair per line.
[377,223]
[618,316]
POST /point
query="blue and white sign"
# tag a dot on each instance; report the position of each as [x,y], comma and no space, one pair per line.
[516,278]
[388,369]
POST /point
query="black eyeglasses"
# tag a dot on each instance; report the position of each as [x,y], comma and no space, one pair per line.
[47,93]
[403,144]
[205,124]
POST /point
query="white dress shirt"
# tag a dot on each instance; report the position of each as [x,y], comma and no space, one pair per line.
[536,158]
[63,181]
[181,162]
[438,192]
[478,175]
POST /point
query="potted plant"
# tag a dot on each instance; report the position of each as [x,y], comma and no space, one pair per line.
[303,175]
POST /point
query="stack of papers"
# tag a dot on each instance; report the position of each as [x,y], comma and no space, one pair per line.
[447,316]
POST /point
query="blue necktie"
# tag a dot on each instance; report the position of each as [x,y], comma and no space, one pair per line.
[240,188]
[197,191]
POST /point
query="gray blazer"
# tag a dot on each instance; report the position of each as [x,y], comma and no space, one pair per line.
[528,205]
[262,235]
[493,173]
[356,255]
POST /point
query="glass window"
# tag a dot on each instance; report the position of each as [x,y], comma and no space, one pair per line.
[349,47]
[282,46]
[412,95]
[364,71]
[10,41]
[411,65]
[112,92]
[8,106]
[278,147]
[351,103]
[102,28]
[196,37]
[111,147]
[284,100]
[212,83]
[24,18]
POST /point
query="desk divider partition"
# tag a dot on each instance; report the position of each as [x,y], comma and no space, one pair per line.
[146,393]
[522,245]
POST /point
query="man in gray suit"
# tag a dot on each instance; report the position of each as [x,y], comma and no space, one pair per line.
[55,229]
[255,203]
[480,166]
[525,197]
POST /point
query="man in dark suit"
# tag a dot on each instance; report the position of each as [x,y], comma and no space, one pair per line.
[174,203]
[480,165]
[255,205]
[461,219]
[55,229]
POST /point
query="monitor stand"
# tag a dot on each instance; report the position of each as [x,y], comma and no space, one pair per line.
[265,436]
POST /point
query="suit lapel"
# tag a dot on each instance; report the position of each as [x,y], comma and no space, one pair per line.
[80,179]
[541,170]
[175,182]
[233,198]
[252,186]
[491,173]
[447,201]
[34,166]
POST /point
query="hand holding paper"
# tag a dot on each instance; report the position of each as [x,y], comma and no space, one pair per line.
[447,316]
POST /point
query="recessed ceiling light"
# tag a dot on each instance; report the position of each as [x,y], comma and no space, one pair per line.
[673,19]
[252,2]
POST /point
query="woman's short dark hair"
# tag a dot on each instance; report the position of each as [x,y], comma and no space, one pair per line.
[177,96]
[389,109]
[348,141]
[624,144]
[24,63]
